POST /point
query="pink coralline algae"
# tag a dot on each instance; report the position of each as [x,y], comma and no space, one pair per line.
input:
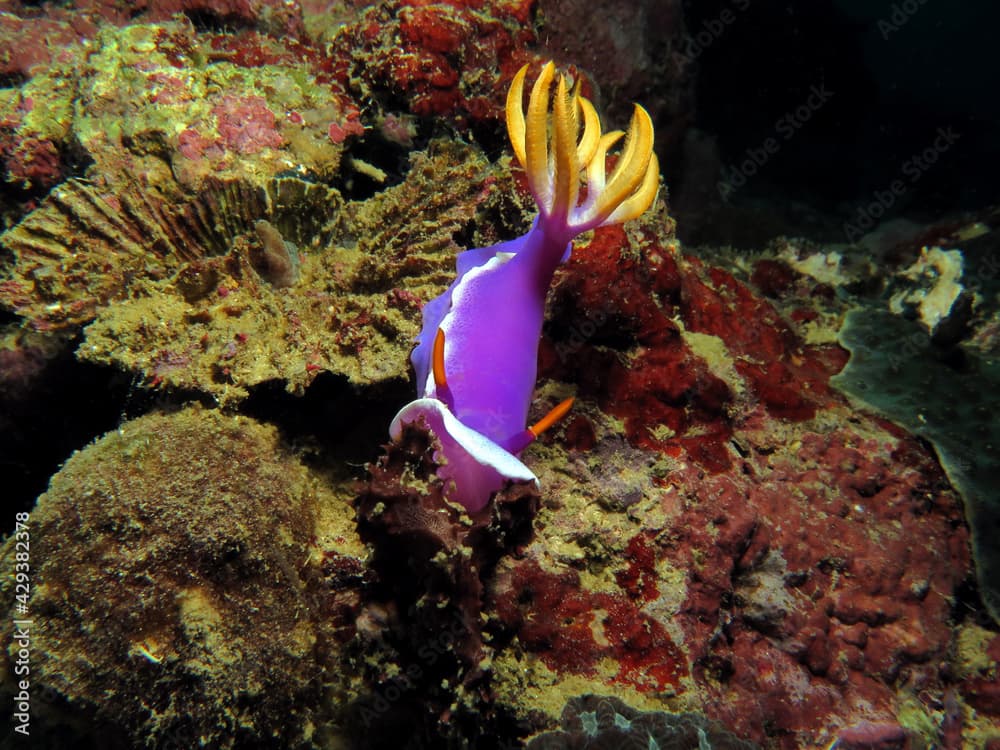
[339,132]
[850,578]
[193,145]
[247,125]
[32,162]
[218,102]
[28,42]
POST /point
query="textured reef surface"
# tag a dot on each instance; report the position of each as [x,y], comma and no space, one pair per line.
[235,212]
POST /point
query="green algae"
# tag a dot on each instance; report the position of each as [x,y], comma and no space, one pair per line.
[895,370]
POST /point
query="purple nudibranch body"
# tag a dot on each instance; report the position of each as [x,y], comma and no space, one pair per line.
[476,398]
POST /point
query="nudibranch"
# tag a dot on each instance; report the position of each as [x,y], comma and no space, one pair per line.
[476,355]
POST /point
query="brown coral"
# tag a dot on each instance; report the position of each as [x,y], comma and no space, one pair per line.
[189,291]
[88,244]
[176,590]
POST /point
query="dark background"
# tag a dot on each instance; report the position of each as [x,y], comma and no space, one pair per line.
[894,85]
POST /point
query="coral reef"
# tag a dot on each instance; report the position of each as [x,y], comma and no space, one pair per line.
[145,98]
[452,59]
[87,246]
[920,341]
[756,520]
[232,214]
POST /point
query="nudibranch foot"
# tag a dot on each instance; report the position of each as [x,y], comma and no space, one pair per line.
[473,467]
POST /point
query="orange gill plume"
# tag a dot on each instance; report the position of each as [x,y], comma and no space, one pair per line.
[555,148]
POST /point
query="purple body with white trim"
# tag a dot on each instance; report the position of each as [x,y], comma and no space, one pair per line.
[491,316]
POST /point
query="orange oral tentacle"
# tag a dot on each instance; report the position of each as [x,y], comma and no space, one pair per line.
[437,368]
[557,413]
[437,360]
